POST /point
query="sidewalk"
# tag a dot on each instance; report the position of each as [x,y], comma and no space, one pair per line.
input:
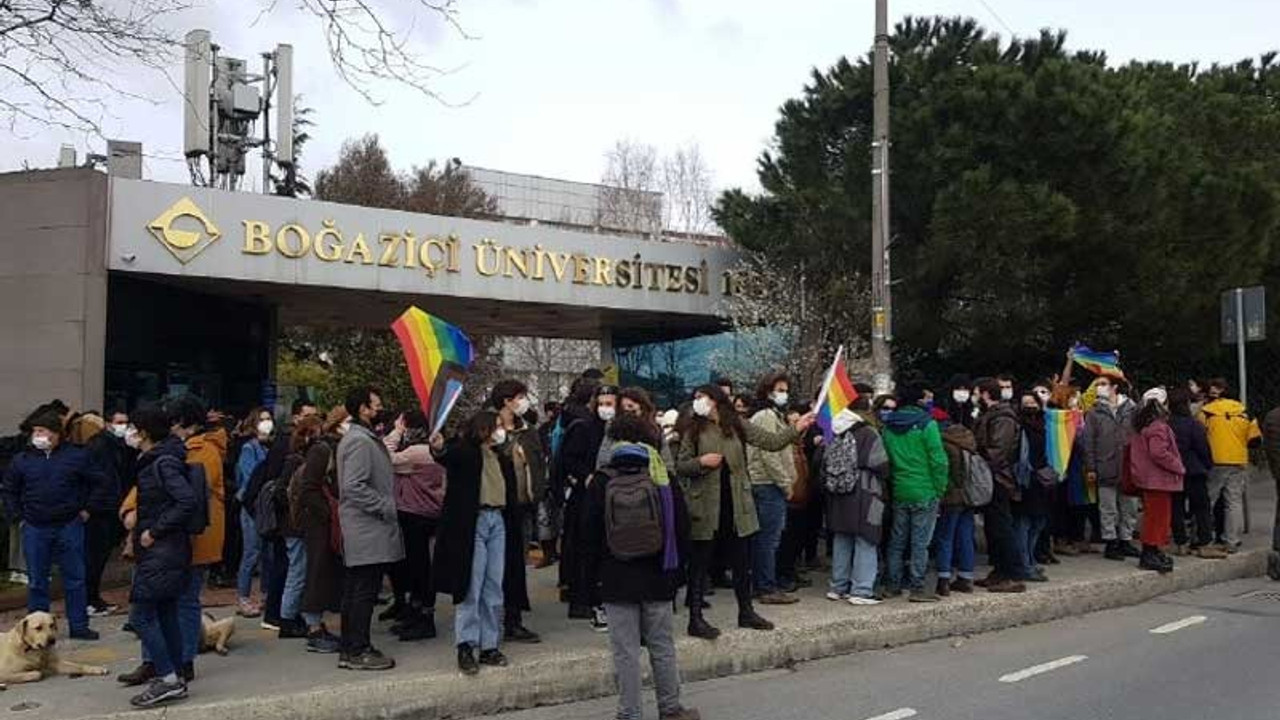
[267,679]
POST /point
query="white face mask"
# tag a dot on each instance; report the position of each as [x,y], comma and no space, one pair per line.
[522,406]
[960,396]
[1043,395]
[132,439]
[1104,392]
[1121,399]
[606,412]
[266,427]
[42,442]
[1006,394]
[702,406]
[780,399]
[499,436]
[119,429]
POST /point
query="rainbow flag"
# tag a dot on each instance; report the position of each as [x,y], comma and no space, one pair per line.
[1061,428]
[438,356]
[1097,362]
[837,393]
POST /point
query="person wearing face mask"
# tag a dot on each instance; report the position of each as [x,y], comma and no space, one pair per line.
[1157,471]
[471,546]
[510,399]
[772,476]
[48,489]
[102,529]
[957,402]
[1107,428]
[713,453]
[998,436]
[1036,482]
[855,468]
[581,457]
[259,428]
[419,494]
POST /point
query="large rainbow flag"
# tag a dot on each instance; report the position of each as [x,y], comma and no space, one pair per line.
[1061,428]
[1097,362]
[438,356]
[837,393]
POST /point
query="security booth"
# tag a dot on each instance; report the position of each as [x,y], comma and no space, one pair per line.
[116,290]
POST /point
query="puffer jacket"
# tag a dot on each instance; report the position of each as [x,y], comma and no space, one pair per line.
[957,440]
[999,437]
[165,504]
[1230,431]
[1193,445]
[919,461]
[419,478]
[1106,432]
[210,450]
[1154,459]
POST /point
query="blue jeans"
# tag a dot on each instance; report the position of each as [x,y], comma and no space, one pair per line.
[188,610]
[912,527]
[955,542]
[295,579]
[771,509]
[157,627]
[478,619]
[1026,530]
[249,556]
[853,565]
[44,545]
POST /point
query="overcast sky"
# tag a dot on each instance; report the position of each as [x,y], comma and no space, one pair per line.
[553,83]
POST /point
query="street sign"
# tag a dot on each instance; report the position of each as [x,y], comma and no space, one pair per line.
[1254,300]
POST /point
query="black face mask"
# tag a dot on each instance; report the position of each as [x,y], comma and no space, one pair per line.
[1031,413]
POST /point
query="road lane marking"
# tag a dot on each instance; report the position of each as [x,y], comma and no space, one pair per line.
[1178,625]
[899,714]
[1043,668]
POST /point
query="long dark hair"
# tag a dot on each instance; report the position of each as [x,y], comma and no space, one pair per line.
[1180,402]
[1151,411]
[730,421]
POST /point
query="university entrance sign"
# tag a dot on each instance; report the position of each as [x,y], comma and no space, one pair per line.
[183,231]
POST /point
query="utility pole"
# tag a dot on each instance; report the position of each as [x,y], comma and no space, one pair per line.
[881,302]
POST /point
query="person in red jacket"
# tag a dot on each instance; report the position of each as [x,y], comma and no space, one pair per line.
[1157,470]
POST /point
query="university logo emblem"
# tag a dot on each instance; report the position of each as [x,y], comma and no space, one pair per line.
[184,230]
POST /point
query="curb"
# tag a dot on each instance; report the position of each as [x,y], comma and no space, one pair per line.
[582,675]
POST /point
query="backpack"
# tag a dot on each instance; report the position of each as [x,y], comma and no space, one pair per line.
[838,478]
[979,483]
[267,510]
[632,516]
[194,473]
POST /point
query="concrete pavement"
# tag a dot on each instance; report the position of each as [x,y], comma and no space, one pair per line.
[264,678]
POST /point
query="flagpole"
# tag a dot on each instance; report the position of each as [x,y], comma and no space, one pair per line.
[826,382]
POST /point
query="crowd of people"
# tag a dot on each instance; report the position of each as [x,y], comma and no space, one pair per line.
[727,491]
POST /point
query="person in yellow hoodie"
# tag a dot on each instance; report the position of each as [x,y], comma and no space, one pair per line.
[207,447]
[1230,431]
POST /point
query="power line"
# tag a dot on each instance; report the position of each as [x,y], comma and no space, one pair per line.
[996,15]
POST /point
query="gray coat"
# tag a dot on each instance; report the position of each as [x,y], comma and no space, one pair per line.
[1105,435]
[366,500]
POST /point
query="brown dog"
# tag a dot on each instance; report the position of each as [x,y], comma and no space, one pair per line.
[27,652]
[214,633]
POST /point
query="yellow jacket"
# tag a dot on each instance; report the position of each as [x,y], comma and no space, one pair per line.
[1230,431]
[209,449]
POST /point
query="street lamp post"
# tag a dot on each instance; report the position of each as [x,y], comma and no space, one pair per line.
[881,300]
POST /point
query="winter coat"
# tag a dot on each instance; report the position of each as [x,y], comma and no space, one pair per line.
[771,468]
[209,450]
[1230,431]
[580,448]
[1035,498]
[104,453]
[957,440]
[1271,441]
[914,444]
[1154,459]
[312,517]
[535,457]
[1106,432]
[419,478]
[1193,445]
[51,488]
[629,581]
[366,500]
[860,512]
[703,496]
[999,438]
[252,454]
[463,463]
[165,504]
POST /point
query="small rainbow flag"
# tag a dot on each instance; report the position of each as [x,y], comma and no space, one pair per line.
[438,356]
[1061,428]
[837,393]
[1097,362]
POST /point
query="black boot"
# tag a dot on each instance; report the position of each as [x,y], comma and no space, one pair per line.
[699,627]
[1113,551]
[749,619]
[423,627]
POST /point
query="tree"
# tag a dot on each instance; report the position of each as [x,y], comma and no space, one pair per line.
[647,192]
[362,176]
[1039,197]
[548,365]
[447,190]
[686,191]
[59,59]
[287,178]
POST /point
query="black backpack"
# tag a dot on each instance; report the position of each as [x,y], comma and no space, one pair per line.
[199,520]
[266,514]
[632,515]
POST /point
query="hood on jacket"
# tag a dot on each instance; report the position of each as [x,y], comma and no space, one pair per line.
[1224,407]
[907,419]
[214,439]
[961,437]
[171,446]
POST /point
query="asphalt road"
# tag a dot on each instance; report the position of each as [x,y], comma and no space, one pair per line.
[1207,653]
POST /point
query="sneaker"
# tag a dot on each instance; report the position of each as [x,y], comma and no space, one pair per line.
[1114,551]
[271,624]
[778,598]
[322,643]
[370,660]
[858,600]
[493,658]
[920,596]
[99,610]
[962,585]
[752,621]
[522,634]
[682,714]
[395,612]
[246,608]
[1180,550]
[141,675]
[600,620]
[834,596]
[467,660]
[84,634]
[159,692]
[1129,550]
[1209,552]
[891,591]
[1007,586]
[292,630]
[1037,575]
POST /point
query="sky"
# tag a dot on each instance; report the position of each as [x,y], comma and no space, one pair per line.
[547,86]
